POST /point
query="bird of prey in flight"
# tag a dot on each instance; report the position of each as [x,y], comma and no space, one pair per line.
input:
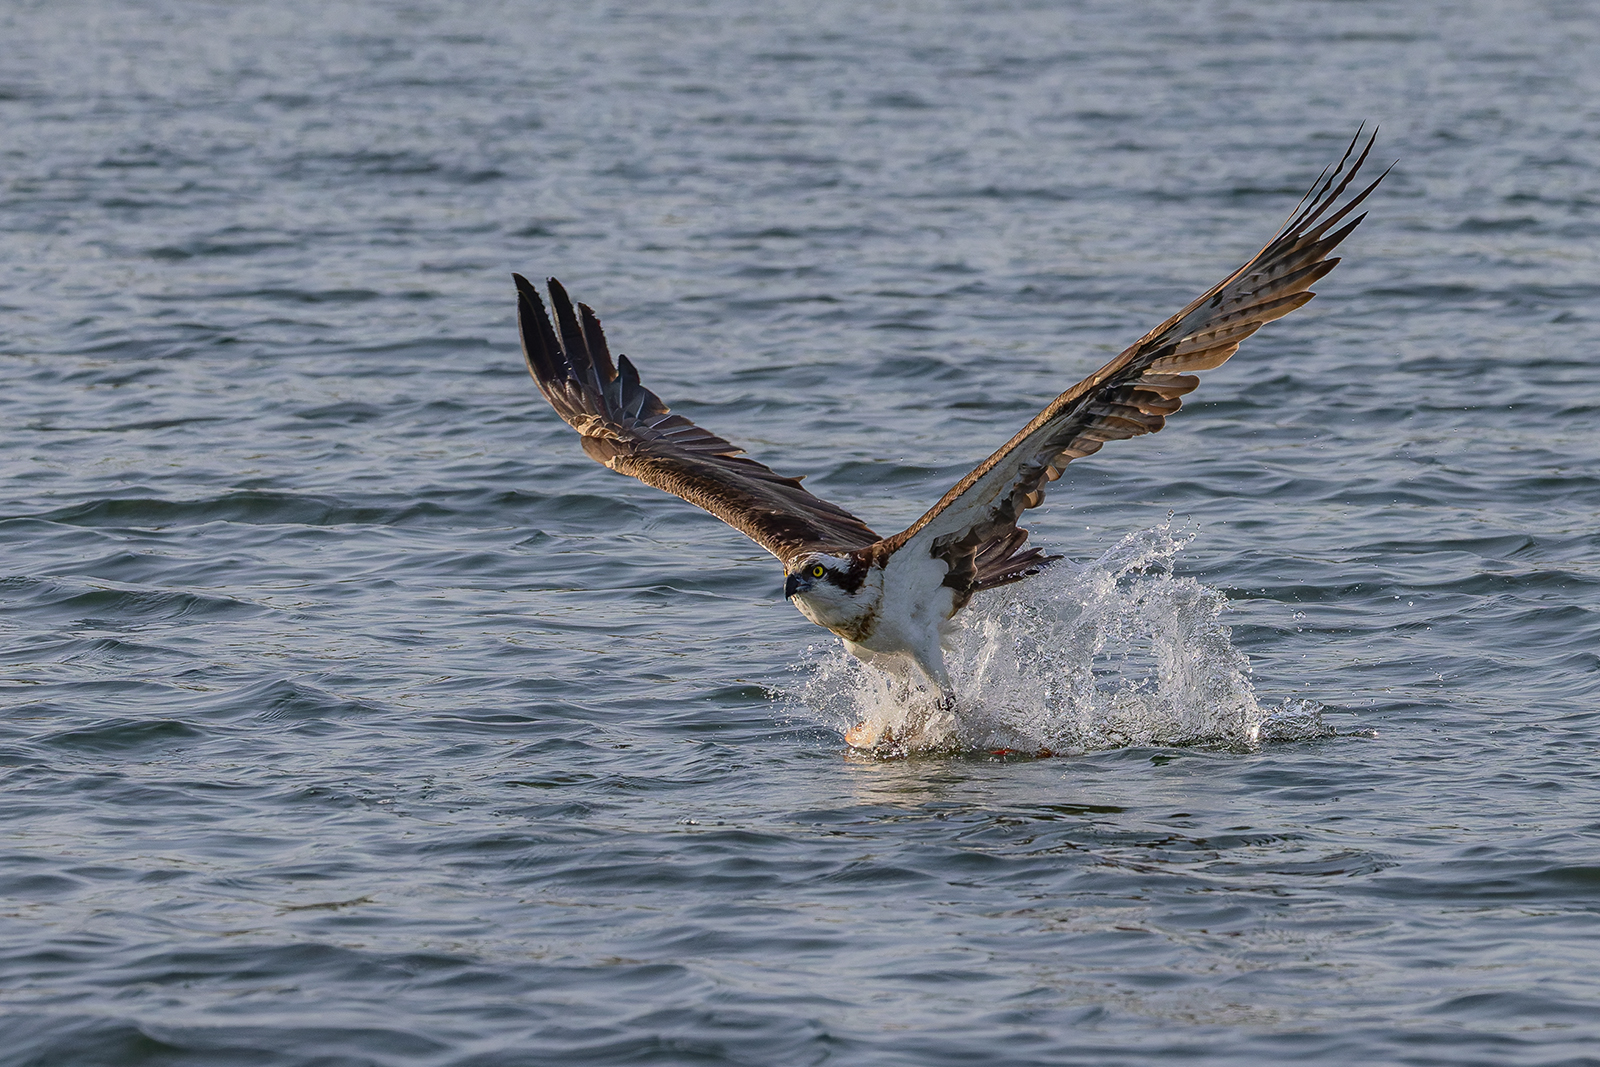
[892,598]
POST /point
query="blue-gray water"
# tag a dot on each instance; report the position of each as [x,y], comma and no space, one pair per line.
[350,715]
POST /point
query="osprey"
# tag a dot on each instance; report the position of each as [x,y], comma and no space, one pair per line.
[891,598]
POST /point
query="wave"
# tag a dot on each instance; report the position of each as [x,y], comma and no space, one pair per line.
[1113,653]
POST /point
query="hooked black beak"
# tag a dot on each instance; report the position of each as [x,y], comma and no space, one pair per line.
[793,584]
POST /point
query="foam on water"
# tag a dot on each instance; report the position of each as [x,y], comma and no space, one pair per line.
[1116,652]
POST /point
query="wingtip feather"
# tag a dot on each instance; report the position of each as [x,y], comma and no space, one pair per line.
[595,337]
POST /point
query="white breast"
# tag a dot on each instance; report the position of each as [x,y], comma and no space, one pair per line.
[913,607]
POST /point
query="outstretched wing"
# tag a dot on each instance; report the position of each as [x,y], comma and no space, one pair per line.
[626,427]
[1134,393]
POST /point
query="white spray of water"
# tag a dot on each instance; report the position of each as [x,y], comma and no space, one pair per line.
[1108,654]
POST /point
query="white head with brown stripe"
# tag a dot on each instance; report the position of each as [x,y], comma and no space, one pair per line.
[835,592]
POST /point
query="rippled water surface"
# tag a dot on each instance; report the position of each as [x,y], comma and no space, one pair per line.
[350,715]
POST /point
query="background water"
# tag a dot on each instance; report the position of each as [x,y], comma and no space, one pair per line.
[350,715]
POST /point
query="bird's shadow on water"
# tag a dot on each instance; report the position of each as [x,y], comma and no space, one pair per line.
[1119,652]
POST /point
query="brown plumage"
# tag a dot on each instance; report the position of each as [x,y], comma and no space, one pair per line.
[626,427]
[972,531]
[1134,393]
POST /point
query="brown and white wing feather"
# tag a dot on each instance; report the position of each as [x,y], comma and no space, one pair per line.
[627,428]
[1134,393]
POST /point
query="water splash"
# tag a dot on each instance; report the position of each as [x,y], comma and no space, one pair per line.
[1107,654]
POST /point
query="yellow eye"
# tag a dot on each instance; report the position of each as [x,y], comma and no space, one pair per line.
[818,570]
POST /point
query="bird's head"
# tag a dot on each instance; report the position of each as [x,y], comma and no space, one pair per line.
[832,591]
[814,570]
[822,575]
